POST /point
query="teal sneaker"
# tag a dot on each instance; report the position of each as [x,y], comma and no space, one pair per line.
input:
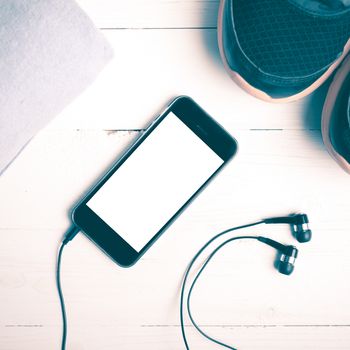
[282,50]
[336,117]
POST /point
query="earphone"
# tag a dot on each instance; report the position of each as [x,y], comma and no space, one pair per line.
[300,225]
[288,255]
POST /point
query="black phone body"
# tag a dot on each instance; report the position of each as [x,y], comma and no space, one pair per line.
[153,181]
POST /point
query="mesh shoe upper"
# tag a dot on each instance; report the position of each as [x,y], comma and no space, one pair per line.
[280,43]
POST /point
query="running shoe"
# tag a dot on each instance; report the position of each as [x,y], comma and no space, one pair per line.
[282,50]
[336,117]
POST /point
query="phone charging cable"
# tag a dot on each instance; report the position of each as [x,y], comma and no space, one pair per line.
[71,233]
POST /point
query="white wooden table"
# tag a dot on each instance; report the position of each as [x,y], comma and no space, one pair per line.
[163,49]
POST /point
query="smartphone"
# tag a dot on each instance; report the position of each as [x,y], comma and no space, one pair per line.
[153,181]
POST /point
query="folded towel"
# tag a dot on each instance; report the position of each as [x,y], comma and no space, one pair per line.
[49,52]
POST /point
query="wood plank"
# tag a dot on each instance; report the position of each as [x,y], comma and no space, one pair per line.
[286,167]
[111,337]
[152,13]
[240,301]
[241,287]
[151,67]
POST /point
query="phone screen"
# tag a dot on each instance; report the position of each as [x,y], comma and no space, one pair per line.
[157,179]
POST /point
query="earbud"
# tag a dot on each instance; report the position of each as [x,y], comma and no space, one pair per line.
[300,225]
[301,228]
[287,260]
[288,255]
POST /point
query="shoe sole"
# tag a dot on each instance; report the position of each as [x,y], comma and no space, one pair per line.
[259,93]
[328,106]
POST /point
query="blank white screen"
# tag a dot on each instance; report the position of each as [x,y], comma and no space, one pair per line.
[170,165]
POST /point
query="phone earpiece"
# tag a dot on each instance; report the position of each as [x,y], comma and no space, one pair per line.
[300,225]
[288,255]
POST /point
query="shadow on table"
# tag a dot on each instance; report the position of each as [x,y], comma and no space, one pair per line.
[210,34]
[312,112]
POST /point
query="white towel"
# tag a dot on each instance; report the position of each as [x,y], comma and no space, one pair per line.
[49,52]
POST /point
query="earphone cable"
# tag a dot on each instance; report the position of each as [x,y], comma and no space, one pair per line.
[59,289]
[195,281]
[68,237]
[192,263]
